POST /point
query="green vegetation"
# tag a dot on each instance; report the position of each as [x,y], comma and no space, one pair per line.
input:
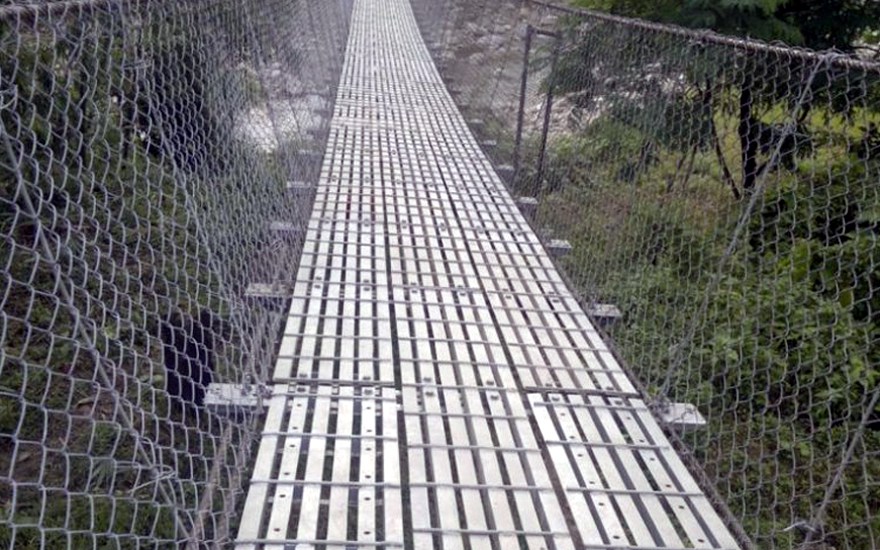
[775,334]
[785,356]
[119,150]
[816,24]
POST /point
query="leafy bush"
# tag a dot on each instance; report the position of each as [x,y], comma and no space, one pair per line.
[784,355]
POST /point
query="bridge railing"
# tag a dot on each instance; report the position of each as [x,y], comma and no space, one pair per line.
[721,201]
[145,156]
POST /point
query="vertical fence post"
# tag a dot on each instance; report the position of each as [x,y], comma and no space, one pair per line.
[520,117]
[548,107]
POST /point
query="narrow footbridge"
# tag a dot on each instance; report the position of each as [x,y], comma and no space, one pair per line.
[438,386]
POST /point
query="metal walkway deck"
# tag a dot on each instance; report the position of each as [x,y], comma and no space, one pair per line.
[438,386]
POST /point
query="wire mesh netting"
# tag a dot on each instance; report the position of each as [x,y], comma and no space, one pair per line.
[721,200]
[721,194]
[147,149]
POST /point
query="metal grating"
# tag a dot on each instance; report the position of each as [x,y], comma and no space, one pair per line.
[438,386]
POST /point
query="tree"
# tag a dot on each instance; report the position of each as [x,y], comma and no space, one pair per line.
[827,24]
[659,10]
[817,24]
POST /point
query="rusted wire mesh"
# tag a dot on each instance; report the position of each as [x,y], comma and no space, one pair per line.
[722,195]
[145,154]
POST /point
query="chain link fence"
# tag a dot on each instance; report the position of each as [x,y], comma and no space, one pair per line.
[723,196]
[156,161]
[145,157]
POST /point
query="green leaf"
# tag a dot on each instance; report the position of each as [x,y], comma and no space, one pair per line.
[798,261]
[870,215]
[846,298]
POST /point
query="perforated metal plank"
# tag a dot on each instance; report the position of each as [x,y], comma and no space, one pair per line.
[428,336]
[477,478]
[327,469]
[622,477]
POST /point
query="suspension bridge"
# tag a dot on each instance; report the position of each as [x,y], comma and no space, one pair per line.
[432,274]
[437,384]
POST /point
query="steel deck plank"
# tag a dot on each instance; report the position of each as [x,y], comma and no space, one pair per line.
[435,357]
